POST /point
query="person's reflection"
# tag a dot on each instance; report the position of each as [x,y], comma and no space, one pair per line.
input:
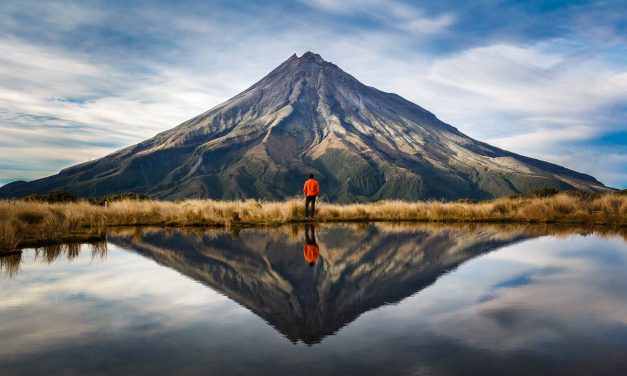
[312,251]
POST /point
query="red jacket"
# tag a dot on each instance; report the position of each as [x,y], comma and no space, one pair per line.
[311,188]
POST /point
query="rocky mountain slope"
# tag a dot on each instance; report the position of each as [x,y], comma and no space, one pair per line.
[308,115]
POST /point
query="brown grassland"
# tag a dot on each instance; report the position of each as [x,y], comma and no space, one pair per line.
[24,224]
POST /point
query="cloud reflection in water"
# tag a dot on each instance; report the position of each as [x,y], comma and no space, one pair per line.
[437,300]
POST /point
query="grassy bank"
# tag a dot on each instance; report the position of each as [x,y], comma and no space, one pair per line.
[30,223]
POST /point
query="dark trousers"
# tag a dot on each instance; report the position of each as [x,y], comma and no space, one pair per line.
[310,200]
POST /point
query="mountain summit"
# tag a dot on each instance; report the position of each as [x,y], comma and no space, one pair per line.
[308,115]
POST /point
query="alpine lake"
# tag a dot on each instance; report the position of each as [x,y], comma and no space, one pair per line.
[329,299]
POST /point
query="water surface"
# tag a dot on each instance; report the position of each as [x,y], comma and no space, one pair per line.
[369,299]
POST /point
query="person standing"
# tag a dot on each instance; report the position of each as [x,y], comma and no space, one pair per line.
[311,191]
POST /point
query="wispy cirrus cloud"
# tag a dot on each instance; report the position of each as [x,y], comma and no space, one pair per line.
[391,14]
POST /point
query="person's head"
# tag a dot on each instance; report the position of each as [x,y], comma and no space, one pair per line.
[311,176]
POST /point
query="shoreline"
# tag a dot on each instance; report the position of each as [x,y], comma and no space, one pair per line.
[31,224]
[86,238]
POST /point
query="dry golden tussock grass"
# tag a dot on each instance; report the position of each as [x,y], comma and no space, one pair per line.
[29,223]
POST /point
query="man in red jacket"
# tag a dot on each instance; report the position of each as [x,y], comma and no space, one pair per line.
[311,191]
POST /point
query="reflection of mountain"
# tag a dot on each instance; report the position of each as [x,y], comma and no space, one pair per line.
[356,272]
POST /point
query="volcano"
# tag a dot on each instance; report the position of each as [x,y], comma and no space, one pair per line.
[309,116]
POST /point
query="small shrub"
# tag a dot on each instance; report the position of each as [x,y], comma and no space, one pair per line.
[542,192]
[61,196]
[56,196]
[584,195]
[34,198]
[466,201]
[130,196]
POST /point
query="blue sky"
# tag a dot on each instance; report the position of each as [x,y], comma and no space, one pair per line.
[80,79]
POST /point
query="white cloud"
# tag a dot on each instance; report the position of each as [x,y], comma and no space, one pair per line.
[344,7]
[524,79]
[426,25]
[538,285]
[393,14]
[104,297]
[60,106]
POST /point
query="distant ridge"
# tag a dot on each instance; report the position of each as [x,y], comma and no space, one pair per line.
[308,115]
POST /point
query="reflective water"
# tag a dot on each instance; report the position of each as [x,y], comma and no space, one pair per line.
[371,299]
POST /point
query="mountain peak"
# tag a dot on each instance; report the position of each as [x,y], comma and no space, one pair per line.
[308,62]
[312,56]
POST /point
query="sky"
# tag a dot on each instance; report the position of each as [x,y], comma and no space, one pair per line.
[81,79]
